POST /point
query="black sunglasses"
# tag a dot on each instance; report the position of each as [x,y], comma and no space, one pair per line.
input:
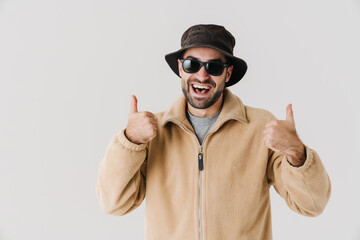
[212,68]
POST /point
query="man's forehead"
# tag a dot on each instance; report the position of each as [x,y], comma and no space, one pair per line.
[204,54]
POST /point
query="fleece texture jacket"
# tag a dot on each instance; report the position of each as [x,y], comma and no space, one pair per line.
[228,198]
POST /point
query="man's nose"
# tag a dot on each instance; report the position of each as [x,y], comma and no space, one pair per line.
[202,74]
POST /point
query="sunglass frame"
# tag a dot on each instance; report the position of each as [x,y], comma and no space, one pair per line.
[206,64]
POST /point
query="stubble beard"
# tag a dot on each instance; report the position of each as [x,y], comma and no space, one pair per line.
[201,103]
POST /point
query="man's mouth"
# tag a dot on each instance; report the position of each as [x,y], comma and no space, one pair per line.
[200,89]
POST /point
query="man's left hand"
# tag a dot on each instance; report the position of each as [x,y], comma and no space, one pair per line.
[281,136]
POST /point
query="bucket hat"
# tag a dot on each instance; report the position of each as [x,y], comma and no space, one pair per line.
[210,36]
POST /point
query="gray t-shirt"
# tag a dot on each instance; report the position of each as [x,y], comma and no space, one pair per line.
[202,125]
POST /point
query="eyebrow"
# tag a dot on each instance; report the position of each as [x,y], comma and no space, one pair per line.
[211,60]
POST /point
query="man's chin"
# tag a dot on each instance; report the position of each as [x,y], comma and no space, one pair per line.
[201,102]
[199,106]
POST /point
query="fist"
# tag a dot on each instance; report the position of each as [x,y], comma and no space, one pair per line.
[141,126]
[281,136]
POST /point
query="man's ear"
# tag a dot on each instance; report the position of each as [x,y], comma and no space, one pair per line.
[179,67]
[229,72]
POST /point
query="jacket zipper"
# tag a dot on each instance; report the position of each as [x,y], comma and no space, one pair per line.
[201,167]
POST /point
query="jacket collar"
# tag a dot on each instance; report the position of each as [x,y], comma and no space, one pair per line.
[232,109]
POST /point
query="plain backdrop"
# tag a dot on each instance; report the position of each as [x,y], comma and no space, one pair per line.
[68,69]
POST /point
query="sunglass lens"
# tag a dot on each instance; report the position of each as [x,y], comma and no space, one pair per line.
[215,69]
[191,66]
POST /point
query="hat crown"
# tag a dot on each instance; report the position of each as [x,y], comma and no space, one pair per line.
[210,35]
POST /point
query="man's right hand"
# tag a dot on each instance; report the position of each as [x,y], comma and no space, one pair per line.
[141,126]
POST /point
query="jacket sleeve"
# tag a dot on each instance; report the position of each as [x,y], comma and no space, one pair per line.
[306,189]
[121,176]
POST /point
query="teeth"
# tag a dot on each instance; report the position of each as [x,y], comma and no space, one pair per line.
[201,87]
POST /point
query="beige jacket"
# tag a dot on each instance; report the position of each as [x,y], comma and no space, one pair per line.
[229,198]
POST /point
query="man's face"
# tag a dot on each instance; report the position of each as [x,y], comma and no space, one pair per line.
[201,89]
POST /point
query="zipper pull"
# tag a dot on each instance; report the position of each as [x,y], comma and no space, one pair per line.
[201,167]
[200,160]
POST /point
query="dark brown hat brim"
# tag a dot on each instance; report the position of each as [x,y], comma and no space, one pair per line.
[239,69]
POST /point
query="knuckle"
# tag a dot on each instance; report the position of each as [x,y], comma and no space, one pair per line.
[154,130]
[272,123]
[140,114]
[145,114]
[270,129]
[147,120]
[148,114]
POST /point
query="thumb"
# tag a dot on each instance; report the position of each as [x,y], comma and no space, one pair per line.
[133,107]
[290,114]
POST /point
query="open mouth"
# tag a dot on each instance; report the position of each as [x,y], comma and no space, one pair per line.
[200,89]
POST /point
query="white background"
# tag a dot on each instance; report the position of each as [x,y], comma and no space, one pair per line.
[68,69]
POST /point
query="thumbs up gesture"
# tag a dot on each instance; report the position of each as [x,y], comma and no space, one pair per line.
[281,136]
[141,126]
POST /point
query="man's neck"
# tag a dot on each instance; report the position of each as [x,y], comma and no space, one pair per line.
[207,112]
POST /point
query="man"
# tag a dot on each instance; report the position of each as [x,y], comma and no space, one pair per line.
[207,163]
